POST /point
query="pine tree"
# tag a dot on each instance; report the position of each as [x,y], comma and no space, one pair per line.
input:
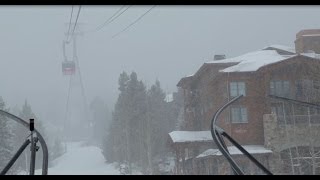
[6,146]
[156,123]
[136,109]
[115,143]
[128,122]
[141,121]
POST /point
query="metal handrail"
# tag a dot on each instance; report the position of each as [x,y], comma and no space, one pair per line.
[41,140]
[302,103]
[217,134]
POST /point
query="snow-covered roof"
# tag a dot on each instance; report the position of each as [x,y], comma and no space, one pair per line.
[185,79]
[312,55]
[252,149]
[281,47]
[191,136]
[169,97]
[311,35]
[252,61]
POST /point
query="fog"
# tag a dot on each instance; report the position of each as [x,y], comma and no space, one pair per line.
[167,44]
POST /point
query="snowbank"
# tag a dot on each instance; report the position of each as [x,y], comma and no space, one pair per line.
[191,136]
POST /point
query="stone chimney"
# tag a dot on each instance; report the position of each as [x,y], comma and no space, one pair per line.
[308,40]
[218,57]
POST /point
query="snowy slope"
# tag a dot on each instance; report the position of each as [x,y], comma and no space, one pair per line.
[81,160]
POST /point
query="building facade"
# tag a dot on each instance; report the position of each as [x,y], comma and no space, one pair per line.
[256,120]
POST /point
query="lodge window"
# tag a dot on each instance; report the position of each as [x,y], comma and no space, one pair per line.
[239,115]
[299,89]
[280,88]
[237,88]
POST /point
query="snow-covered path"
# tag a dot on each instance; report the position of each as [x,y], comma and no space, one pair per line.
[81,160]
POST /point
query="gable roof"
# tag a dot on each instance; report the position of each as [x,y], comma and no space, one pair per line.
[249,62]
[185,80]
[280,47]
[252,61]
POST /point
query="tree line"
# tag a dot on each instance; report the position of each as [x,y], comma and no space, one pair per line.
[141,121]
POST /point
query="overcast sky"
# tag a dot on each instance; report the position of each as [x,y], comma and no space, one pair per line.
[168,43]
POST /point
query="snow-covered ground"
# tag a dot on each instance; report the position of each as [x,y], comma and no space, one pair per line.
[81,160]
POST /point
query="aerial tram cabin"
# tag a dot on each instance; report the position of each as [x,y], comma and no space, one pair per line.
[68,67]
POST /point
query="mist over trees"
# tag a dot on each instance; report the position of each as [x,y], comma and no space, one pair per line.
[101,118]
[141,120]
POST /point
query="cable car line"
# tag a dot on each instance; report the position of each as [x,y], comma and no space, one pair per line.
[116,17]
[74,27]
[109,20]
[76,19]
[70,22]
[72,68]
[131,24]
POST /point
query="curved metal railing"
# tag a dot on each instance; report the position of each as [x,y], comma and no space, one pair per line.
[217,134]
[41,140]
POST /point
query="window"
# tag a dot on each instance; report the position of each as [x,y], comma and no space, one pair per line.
[299,89]
[280,88]
[239,115]
[237,88]
[304,88]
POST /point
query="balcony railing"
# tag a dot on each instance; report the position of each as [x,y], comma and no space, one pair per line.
[298,119]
